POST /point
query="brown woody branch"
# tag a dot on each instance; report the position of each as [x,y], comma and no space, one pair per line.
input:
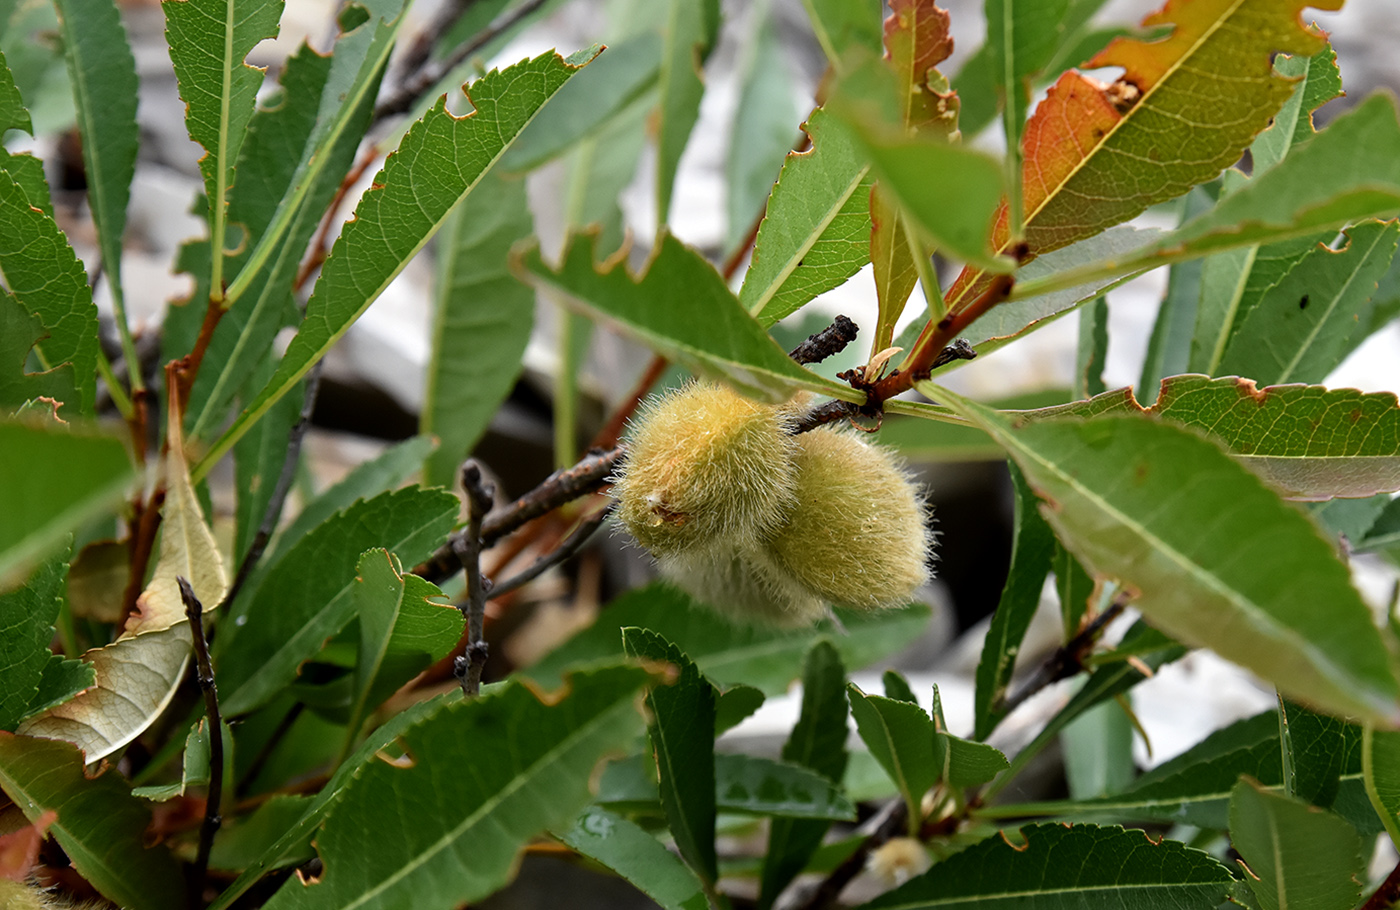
[466,546]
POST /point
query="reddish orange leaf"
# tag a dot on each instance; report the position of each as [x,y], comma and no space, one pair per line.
[917,40]
[1185,108]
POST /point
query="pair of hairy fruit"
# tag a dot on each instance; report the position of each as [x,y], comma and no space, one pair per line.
[766,525]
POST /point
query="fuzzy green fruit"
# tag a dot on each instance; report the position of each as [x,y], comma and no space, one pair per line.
[858,537]
[706,468]
[747,585]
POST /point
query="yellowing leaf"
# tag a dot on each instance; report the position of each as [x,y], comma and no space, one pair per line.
[1184,109]
[137,674]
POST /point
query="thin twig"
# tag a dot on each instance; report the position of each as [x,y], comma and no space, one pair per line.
[467,547]
[404,99]
[822,414]
[1387,895]
[1067,660]
[204,672]
[295,436]
[889,822]
[571,545]
[144,523]
[829,342]
[422,47]
[611,432]
[591,472]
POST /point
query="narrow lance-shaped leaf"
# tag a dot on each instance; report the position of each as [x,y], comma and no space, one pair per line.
[137,675]
[43,273]
[530,772]
[1381,769]
[482,319]
[1223,564]
[1021,37]
[309,594]
[280,129]
[102,72]
[817,741]
[901,737]
[403,628]
[1233,282]
[1100,867]
[916,40]
[815,232]
[357,64]
[1304,326]
[27,617]
[52,480]
[633,853]
[1299,856]
[762,131]
[844,25]
[100,825]
[692,26]
[1191,103]
[394,219]
[700,326]
[20,331]
[1308,442]
[25,168]
[209,40]
[1032,545]
[682,739]
[956,211]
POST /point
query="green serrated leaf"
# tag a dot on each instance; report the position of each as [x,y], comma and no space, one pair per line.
[20,330]
[102,71]
[816,231]
[482,319]
[448,153]
[43,273]
[1321,749]
[292,842]
[1169,347]
[404,627]
[1308,442]
[53,478]
[1032,545]
[682,739]
[267,165]
[765,658]
[242,842]
[100,825]
[1300,856]
[530,772]
[308,595]
[27,617]
[258,459]
[1227,566]
[764,126]
[629,850]
[1302,328]
[702,326]
[817,741]
[901,737]
[970,764]
[209,40]
[692,27]
[1381,770]
[1095,867]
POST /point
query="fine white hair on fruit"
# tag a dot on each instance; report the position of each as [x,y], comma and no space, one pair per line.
[898,859]
[767,526]
[704,465]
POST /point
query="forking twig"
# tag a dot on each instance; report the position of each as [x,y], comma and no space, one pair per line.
[468,666]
